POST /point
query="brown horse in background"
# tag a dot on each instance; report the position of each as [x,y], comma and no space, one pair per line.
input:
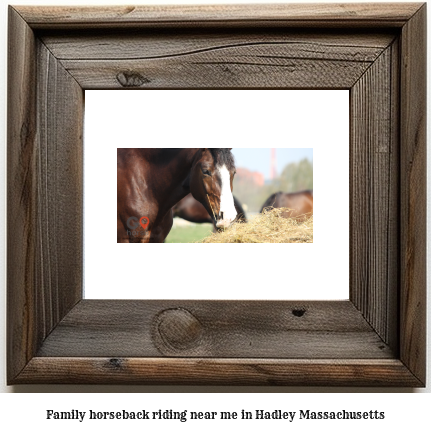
[151,181]
[300,204]
[193,211]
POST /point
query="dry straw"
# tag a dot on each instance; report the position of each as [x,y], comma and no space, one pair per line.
[268,227]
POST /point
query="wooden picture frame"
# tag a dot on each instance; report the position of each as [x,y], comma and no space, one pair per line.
[376,338]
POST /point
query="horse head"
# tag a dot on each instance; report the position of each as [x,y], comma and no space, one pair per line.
[211,184]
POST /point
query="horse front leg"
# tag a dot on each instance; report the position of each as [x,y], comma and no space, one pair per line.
[122,232]
[162,229]
[141,238]
[133,231]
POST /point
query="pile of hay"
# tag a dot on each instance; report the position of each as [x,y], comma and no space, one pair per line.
[268,227]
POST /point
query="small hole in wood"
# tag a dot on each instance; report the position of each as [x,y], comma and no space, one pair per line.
[298,312]
[115,363]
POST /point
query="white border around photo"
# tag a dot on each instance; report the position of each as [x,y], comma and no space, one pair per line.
[217,118]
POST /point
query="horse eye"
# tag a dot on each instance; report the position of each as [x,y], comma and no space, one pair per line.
[206,172]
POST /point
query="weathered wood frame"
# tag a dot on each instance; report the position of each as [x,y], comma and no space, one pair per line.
[377,338]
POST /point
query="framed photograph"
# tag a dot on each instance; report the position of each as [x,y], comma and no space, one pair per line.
[375,337]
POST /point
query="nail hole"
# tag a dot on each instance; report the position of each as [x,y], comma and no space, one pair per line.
[115,363]
[298,312]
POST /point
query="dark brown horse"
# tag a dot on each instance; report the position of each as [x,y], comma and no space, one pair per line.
[193,211]
[300,204]
[151,181]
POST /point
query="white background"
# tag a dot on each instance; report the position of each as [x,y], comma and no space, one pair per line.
[209,118]
[404,410]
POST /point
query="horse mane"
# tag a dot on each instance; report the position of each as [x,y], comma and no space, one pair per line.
[223,156]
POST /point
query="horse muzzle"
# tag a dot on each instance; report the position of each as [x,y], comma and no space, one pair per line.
[226,215]
[223,223]
[225,220]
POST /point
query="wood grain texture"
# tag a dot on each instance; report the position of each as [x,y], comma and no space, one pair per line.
[55,337]
[241,329]
[45,108]
[21,194]
[413,194]
[59,244]
[208,59]
[300,15]
[201,60]
[141,44]
[197,371]
[374,195]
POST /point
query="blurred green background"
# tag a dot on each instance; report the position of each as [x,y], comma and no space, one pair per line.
[254,184]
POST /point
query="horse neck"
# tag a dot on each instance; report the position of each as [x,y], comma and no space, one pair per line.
[176,165]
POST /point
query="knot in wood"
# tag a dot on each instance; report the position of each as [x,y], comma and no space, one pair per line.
[178,328]
[131,79]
